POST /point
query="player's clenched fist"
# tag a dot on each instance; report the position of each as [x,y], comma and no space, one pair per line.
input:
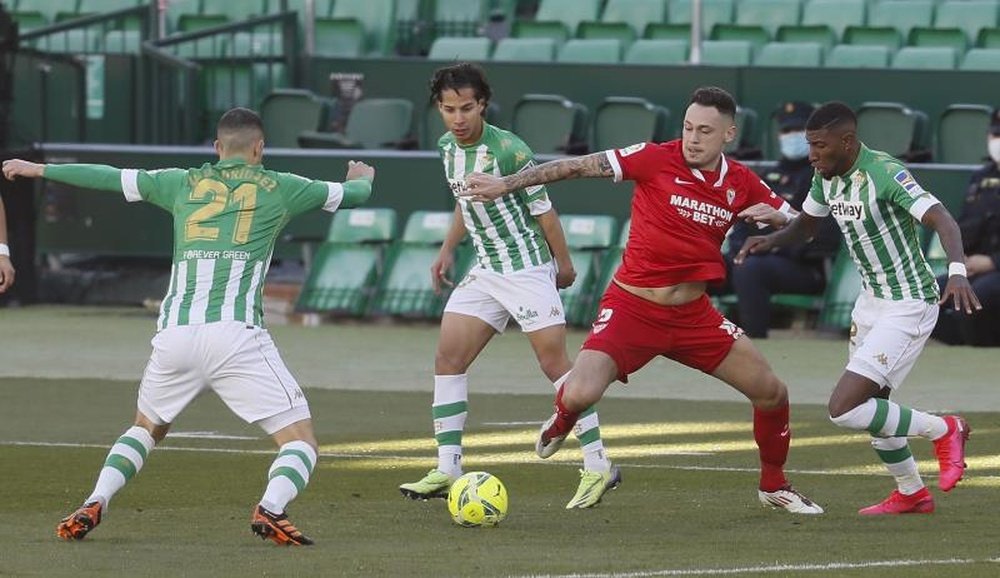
[359,170]
[18,168]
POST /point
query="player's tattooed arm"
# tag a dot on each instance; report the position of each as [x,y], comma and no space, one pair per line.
[483,187]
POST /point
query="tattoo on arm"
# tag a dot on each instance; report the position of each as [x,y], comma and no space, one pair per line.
[592,165]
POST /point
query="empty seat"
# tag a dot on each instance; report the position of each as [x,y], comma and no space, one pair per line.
[842,291]
[256,44]
[818,34]
[344,37]
[550,123]
[836,14]
[961,132]
[891,127]
[969,16]
[793,54]
[459,17]
[981,59]
[469,49]
[746,133]
[74,41]
[122,41]
[290,111]
[236,11]
[726,52]
[621,121]
[886,36]
[588,238]
[769,14]
[375,17]
[712,12]
[646,51]
[925,58]
[49,9]
[374,123]
[593,51]
[625,19]
[568,13]
[525,50]
[989,38]
[901,15]
[858,56]
[757,36]
[950,37]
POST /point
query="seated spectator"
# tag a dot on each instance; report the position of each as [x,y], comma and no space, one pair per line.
[794,269]
[980,224]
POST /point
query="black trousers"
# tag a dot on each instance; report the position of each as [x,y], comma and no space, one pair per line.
[761,276]
[981,329]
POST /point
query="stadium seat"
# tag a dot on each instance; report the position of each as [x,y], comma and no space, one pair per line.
[290,111]
[901,15]
[176,9]
[949,37]
[98,6]
[746,132]
[28,21]
[196,22]
[376,18]
[588,237]
[465,49]
[818,34]
[646,51]
[726,52]
[712,12]
[406,289]
[236,11]
[374,123]
[256,44]
[925,58]
[459,17]
[122,41]
[891,127]
[956,140]
[85,41]
[936,257]
[664,31]
[49,9]
[550,124]
[842,290]
[344,274]
[531,29]
[625,19]
[593,51]
[969,16]
[757,36]
[981,59]
[525,50]
[620,121]
[989,38]
[768,14]
[612,260]
[568,13]
[797,54]
[858,56]
[886,36]
[343,38]
[835,14]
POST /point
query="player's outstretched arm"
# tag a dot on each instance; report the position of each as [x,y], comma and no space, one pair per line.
[357,184]
[957,289]
[483,187]
[800,229]
[99,177]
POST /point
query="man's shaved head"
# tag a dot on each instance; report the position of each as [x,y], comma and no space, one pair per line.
[240,130]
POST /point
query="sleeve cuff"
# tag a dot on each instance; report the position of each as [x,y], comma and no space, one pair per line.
[615,165]
[540,207]
[814,209]
[921,205]
[334,196]
[130,185]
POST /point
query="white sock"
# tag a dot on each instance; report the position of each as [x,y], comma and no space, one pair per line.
[288,475]
[124,461]
[885,418]
[451,407]
[895,454]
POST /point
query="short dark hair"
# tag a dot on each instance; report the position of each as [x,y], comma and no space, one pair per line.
[715,97]
[830,115]
[238,119]
[459,76]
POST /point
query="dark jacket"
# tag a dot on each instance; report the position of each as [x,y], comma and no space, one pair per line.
[980,219]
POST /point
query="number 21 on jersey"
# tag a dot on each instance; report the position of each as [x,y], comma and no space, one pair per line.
[220,196]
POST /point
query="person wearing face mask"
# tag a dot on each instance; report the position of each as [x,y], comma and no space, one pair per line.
[980,225]
[797,268]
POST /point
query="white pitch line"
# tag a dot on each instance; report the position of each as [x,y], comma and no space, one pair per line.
[775,568]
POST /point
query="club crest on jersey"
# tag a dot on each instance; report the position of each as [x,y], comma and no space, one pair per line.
[847,210]
[730,196]
[632,149]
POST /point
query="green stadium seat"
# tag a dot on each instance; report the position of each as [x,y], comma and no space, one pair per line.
[256,44]
[956,135]
[886,36]
[236,11]
[459,17]
[622,120]
[663,52]
[901,15]
[100,6]
[28,21]
[196,22]
[588,238]
[525,50]
[612,260]
[374,123]
[757,36]
[49,9]
[289,111]
[794,54]
[339,38]
[835,14]
[376,18]
[925,58]
[936,257]
[406,289]
[969,16]
[891,127]
[344,274]
[842,290]
[595,51]
[950,37]
[746,132]
[625,19]
[663,31]
[817,33]
[72,41]
[215,46]
[530,29]
[550,124]
[618,31]
[465,49]
[769,14]
[726,52]
[987,59]
[712,12]
[123,41]
[226,86]
[989,38]
[176,9]
[858,56]
[569,13]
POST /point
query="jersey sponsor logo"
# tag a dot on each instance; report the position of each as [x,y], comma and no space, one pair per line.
[847,210]
[909,184]
[632,149]
[526,316]
[701,212]
[734,330]
[457,186]
[602,319]
[682,182]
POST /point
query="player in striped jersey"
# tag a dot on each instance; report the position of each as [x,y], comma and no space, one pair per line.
[522,259]
[227,217]
[877,204]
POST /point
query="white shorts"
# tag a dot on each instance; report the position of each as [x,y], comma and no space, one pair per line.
[888,336]
[529,296]
[238,361]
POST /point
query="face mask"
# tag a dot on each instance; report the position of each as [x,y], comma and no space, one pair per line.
[993,145]
[794,145]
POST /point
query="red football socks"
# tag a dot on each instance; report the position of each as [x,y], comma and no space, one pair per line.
[772,434]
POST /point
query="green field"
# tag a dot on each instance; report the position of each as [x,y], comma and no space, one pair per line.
[687,505]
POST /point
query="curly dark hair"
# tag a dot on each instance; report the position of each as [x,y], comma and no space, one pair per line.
[459,76]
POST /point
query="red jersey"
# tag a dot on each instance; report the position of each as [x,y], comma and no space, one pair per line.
[680,215]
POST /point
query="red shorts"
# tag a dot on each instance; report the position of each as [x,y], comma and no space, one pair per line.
[633,331]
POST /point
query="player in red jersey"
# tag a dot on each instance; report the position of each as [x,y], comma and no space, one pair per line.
[687,196]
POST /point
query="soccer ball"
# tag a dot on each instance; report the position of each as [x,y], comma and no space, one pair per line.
[477,499]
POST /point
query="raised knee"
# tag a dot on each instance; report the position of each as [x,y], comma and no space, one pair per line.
[774,395]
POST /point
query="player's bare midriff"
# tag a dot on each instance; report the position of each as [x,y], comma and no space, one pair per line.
[670,295]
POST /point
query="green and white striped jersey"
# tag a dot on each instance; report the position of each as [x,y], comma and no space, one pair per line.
[227,217]
[504,232]
[878,205]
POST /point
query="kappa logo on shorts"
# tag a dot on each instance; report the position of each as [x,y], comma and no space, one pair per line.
[555,311]
[602,319]
[734,330]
